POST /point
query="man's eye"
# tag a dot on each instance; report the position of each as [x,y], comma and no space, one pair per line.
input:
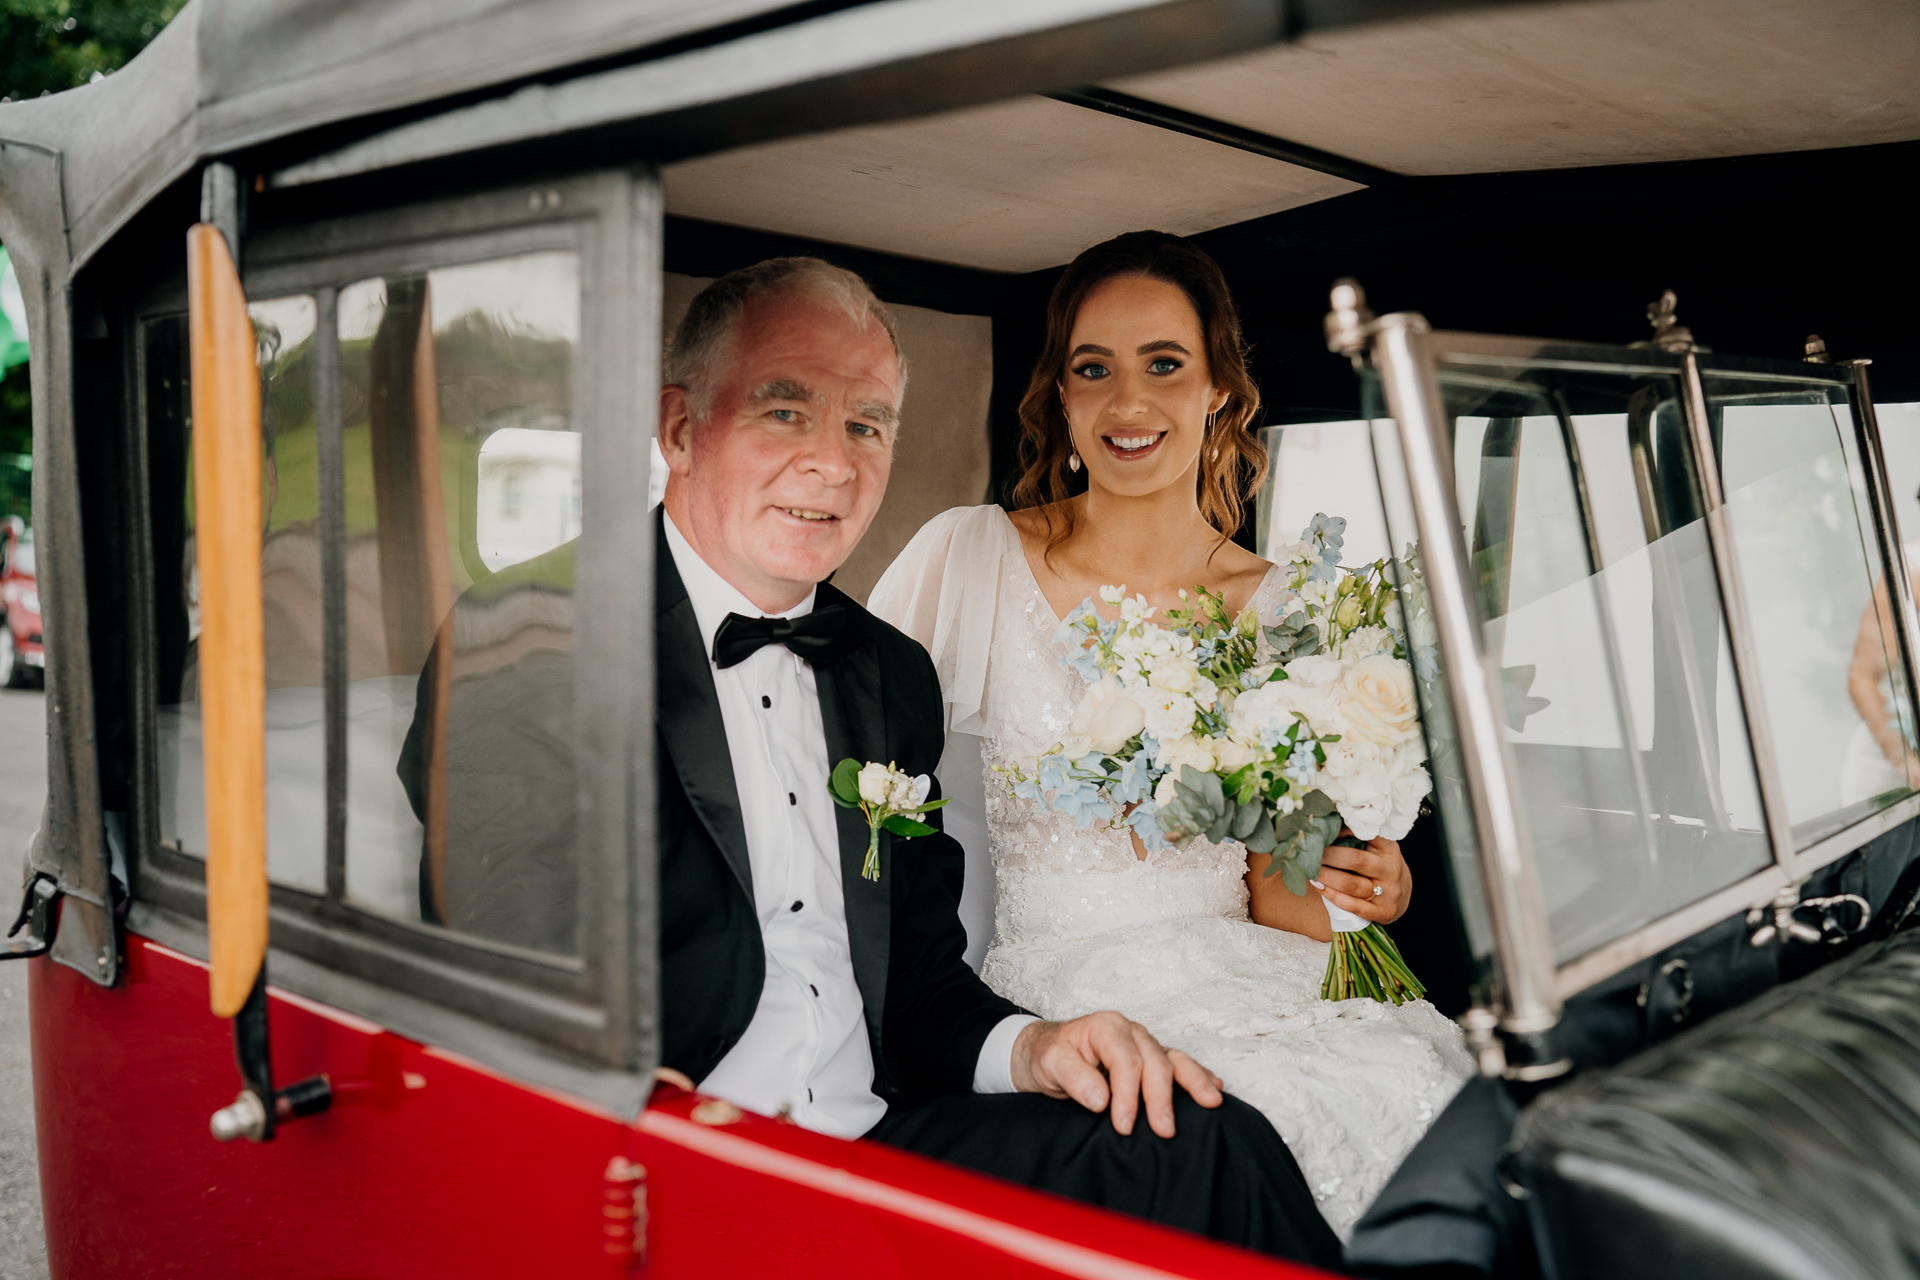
[786,415]
[863,429]
[1163,366]
[1094,371]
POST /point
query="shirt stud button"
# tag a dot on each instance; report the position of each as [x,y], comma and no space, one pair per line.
[792,798]
[765,701]
[814,989]
[797,904]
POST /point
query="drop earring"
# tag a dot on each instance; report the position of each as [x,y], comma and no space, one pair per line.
[1216,448]
[1073,462]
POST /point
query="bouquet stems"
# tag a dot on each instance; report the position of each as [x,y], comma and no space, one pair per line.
[1366,964]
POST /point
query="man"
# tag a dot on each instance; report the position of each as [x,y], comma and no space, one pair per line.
[791,984]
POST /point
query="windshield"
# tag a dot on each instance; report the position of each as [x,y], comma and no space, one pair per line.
[1576,490]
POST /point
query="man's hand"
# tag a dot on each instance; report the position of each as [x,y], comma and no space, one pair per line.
[1348,877]
[1106,1063]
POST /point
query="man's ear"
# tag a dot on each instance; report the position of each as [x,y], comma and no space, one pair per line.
[676,429]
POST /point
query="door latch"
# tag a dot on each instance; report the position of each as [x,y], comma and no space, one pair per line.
[39,916]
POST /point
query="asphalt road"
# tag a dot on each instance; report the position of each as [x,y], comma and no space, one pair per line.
[23,785]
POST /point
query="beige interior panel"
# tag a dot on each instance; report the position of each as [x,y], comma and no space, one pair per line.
[1586,83]
[942,458]
[1015,186]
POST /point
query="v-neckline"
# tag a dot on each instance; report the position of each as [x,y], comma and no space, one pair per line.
[1033,579]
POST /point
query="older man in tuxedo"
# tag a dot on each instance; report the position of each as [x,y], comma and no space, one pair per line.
[791,984]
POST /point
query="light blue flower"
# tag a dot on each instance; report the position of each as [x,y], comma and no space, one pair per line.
[1136,779]
[1144,822]
[1085,663]
[1083,802]
[1070,630]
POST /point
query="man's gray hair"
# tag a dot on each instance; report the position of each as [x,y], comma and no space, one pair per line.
[701,344]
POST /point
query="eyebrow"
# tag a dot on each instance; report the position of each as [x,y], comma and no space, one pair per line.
[879,412]
[783,389]
[1165,344]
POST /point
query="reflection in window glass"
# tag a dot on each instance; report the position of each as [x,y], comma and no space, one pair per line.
[1584,532]
[1829,659]
[1322,467]
[462,477]
[290,589]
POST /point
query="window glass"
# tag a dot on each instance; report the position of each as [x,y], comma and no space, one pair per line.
[462,477]
[1316,467]
[290,589]
[1830,668]
[1587,543]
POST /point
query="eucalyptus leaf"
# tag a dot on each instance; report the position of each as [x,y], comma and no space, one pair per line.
[901,825]
[1295,878]
[1260,840]
[1248,814]
[844,783]
[1217,829]
[1294,639]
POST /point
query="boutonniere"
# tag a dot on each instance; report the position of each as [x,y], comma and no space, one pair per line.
[890,799]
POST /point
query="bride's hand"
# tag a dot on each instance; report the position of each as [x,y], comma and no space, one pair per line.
[1067,1060]
[1348,878]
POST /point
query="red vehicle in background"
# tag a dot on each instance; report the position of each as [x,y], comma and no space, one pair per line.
[23,659]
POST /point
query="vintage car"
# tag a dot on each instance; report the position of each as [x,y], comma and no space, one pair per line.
[23,659]
[347,322]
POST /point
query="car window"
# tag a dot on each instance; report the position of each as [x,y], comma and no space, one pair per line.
[463,511]
[291,595]
[23,557]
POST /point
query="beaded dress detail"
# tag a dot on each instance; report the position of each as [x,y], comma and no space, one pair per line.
[1082,924]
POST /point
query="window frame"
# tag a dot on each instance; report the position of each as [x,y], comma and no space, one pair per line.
[586,1024]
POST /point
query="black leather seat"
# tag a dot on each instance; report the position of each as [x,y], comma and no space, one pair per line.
[1781,1139]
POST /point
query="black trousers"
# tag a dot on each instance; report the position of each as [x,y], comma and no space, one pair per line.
[1225,1173]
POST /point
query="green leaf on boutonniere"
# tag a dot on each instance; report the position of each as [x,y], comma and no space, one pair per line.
[901,825]
[844,785]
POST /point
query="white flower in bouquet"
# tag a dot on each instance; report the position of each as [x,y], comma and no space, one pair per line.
[1106,719]
[1364,642]
[1377,789]
[1176,673]
[1168,715]
[906,794]
[1186,750]
[1232,753]
[1377,697]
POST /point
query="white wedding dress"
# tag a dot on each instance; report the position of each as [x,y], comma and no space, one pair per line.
[1081,924]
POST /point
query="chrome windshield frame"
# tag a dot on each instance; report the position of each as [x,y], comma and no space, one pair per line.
[1532,987]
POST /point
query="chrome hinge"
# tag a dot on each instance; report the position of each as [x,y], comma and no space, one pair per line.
[39,916]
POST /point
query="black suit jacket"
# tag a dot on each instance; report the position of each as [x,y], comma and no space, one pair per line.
[927,1013]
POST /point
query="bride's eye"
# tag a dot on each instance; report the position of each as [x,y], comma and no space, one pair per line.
[1164,366]
[1093,370]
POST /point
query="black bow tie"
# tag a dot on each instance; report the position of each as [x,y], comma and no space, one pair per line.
[815,637]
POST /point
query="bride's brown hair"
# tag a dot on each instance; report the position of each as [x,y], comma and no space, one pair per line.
[1232,460]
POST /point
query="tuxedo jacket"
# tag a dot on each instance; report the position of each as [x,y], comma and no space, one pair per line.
[927,1013]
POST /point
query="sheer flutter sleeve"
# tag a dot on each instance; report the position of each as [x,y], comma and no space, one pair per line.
[941,590]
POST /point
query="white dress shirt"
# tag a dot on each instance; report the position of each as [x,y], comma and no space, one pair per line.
[806,1049]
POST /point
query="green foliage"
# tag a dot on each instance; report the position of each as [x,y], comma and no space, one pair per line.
[844,783]
[50,45]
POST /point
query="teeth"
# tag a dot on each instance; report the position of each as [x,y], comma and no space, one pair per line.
[1133,442]
[804,514]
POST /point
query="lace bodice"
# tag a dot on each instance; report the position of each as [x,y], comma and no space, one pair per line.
[1083,924]
[1055,878]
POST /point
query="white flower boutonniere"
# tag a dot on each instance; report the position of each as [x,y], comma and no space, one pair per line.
[890,799]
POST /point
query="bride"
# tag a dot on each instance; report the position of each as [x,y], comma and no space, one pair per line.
[1142,387]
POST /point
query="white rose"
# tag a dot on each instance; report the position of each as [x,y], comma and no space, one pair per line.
[1176,675]
[1231,753]
[1376,695]
[874,783]
[1197,752]
[1168,715]
[1165,792]
[1107,718]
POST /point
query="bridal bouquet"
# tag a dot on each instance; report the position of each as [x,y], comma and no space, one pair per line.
[1275,736]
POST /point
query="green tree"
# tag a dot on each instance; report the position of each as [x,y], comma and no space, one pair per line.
[47,46]
[50,45]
